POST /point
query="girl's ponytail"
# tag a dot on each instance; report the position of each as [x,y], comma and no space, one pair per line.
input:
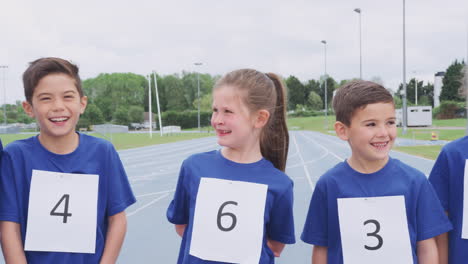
[274,141]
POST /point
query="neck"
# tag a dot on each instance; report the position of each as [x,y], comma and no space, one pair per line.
[60,145]
[248,154]
[364,166]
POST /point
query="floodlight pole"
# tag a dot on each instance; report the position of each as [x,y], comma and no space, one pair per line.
[404,110]
[198,93]
[150,117]
[4,67]
[157,102]
[324,42]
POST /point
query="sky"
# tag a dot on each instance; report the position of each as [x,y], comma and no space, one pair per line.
[271,36]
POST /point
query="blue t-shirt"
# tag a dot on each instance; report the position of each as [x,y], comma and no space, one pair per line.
[278,218]
[92,156]
[447,177]
[425,216]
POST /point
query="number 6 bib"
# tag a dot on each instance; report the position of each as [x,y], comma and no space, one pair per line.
[228,221]
[374,230]
[62,212]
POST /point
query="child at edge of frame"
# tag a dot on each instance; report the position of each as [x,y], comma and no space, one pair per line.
[372,208]
[63,194]
[448,176]
[234,205]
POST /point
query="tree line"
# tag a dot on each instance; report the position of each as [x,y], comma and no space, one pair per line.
[122,98]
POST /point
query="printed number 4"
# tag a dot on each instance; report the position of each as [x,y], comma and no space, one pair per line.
[374,234]
[221,214]
[65,213]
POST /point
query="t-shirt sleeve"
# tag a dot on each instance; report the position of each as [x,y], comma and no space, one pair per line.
[431,218]
[119,192]
[281,225]
[439,179]
[8,203]
[178,210]
[316,226]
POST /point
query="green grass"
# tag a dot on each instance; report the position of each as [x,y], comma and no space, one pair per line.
[459,122]
[425,134]
[314,123]
[428,152]
[124,140]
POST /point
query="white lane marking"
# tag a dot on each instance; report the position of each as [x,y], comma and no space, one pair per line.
[324,148]
[304,166]
[148,204]
[154,193]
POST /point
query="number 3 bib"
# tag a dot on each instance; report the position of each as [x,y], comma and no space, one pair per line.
[374,230]
[62,212]
[228,221]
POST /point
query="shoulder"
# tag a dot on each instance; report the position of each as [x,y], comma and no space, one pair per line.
[406,171]
[20,146]
[458,145]
[89,143]
[202,157]
[334,173]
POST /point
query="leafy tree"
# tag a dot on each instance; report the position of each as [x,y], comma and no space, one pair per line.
[135,114]
[452,82]
[93,115]
[121,116]
[314,101]
[206,102]
[296,92]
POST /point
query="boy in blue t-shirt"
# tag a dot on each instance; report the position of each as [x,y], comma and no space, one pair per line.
[448,176]
[372,208]
[62,193]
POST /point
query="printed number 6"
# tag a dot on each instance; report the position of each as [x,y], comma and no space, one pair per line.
[374,234]
[220,214]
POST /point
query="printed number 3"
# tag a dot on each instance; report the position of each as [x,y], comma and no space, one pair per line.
[65,213]
[233,217]
[374,234]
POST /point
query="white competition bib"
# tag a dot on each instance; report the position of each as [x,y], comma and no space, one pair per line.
[465,203]
[228,221]
[62,213]
[374,230]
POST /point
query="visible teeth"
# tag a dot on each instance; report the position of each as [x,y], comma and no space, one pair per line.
[379,145]
[59,119]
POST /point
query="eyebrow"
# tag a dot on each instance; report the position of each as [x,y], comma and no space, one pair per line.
[369,120]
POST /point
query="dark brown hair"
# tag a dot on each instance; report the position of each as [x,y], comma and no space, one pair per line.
[355,95]
[264,91]
[42,67]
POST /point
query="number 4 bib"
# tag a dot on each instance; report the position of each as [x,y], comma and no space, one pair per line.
[374,230]
[62,212]
[228,221]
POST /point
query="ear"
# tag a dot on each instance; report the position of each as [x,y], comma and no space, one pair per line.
[28,108]
[83,103]
[262,118]
[341,130]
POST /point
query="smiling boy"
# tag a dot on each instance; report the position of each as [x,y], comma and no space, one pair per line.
[62,193]
[372,208]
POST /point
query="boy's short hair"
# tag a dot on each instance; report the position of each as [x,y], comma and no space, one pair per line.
[42,67]
[357,94]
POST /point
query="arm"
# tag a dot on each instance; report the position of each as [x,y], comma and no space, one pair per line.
[319,255]
[12,246]
[276,247]
[180,229]
[427,251]
[442,247]
[115,237]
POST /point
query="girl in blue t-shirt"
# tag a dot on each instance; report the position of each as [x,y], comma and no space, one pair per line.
[235,204]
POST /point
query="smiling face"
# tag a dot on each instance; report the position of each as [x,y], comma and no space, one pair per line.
[232,120]
[56,105]
[371,134]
